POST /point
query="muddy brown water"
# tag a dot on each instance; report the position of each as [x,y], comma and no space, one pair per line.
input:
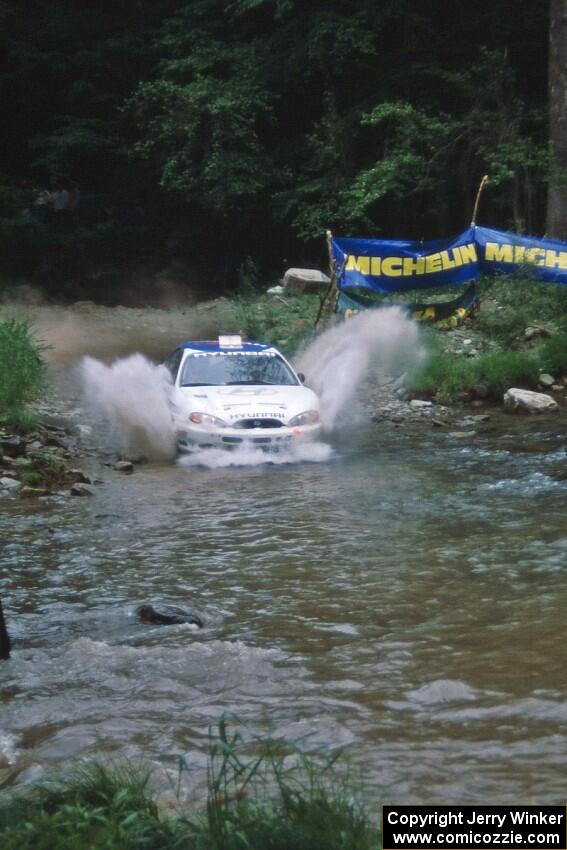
[403,601]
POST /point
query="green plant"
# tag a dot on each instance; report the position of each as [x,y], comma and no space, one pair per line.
[450,378]
[525,296]
[249,321]
[287,323]
[499,372]
[94,808]
[262,795]
[21,369]
[19,420]
[505,326]
[553,355]
[269,795]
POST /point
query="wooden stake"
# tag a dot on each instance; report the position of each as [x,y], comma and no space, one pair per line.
[332,276]
[5,645]
[483,183]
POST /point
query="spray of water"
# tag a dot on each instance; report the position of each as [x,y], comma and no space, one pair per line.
[311,452]
[339,359]
[132,396]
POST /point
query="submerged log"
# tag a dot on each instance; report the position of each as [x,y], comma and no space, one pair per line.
[5,645]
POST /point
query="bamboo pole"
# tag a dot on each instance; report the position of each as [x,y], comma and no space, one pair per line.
[5,645]
[483,183]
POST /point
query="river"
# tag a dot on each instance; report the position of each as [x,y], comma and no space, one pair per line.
[401,600]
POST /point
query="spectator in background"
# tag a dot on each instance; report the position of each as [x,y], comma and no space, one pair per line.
[60,199]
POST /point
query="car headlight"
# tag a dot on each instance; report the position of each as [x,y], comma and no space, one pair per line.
[308,417]
[206,419]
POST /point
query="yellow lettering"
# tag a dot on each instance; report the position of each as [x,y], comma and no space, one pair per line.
[520,254]
[447,262]
[536,256]
[556,259]
[433,263]
[498,253]
[468,253]
[392,266]
[375,265]
[412,266]
[358,264]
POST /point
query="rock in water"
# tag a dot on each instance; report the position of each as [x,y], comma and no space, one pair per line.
[125,466]
[80,489]
[516,399]
[167,615]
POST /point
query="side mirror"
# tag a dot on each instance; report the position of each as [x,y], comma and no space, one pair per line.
[301,377]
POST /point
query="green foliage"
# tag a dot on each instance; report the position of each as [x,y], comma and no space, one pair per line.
[553,355]
[537,301]
[284,321]
[198,123]
[499,372]
[450,378]
[262,795]
[95,808]
[19,420]
[505,326]
[411,139]
[46,470]
[21,370]
[267,794]
[209,131]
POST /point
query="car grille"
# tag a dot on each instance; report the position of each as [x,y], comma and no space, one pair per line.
[258,423]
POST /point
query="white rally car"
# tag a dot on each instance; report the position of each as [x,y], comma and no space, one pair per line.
[230,393]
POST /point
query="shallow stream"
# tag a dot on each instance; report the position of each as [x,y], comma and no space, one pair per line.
[403,599]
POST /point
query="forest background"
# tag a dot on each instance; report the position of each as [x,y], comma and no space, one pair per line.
[210,143]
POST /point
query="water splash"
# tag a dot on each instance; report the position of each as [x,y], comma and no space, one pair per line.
[339,359]
[132,395]
[308,452]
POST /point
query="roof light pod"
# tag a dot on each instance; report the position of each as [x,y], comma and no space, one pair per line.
[230,341]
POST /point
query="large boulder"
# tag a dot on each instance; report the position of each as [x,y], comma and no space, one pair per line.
[528,401]
[298,281]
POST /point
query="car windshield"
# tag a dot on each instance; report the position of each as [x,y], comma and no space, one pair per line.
[234,368]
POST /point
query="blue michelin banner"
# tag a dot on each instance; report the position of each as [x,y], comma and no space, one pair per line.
[385,265]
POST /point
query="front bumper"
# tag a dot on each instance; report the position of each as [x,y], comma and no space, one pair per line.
[193,437]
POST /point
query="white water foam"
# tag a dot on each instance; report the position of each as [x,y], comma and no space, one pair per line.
[132,395]
[338,360]
[8,749]
[308,452]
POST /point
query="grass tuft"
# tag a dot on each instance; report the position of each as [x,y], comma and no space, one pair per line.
[262,795]
[452,379]
[94,808]
[21,373]
[553,355]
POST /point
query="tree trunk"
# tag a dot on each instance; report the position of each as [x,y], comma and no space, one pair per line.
[557,193]
[4,637]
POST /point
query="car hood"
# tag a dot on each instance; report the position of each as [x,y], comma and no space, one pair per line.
[248,402]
